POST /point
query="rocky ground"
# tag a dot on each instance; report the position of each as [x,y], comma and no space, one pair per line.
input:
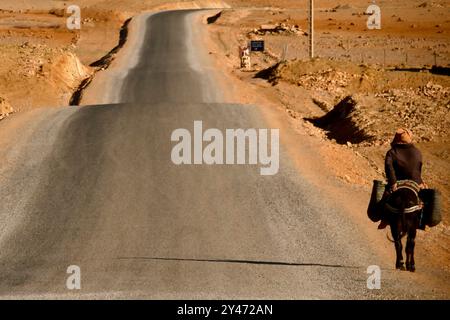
[44,61]
[371,101]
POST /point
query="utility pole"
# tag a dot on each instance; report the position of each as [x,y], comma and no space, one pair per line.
[311,29]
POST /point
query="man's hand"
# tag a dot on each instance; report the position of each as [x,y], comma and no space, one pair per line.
[394,187]
[423,185]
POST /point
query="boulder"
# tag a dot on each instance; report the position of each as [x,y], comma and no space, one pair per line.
[5,108]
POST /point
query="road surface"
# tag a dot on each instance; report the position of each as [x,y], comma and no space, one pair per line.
[103,194]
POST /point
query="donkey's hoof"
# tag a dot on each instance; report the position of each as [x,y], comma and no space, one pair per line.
[400,266]
[411,268]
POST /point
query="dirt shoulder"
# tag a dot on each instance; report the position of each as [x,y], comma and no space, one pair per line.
[351,152]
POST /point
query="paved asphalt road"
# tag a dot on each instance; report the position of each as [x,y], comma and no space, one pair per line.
[108,199]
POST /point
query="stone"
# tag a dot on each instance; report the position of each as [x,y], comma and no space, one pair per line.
[5,108]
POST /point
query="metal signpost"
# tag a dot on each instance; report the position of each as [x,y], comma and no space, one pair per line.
[311,29]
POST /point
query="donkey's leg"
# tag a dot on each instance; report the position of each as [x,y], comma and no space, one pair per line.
[410,243]
[399,264]
[395,230]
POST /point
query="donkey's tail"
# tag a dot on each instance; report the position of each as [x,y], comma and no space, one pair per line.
[387,236]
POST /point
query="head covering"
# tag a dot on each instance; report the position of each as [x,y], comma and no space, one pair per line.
[402,136]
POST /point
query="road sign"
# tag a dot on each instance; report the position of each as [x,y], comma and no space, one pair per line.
[257,45]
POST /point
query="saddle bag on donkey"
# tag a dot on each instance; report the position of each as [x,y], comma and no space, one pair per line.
[374,211]
[431,206]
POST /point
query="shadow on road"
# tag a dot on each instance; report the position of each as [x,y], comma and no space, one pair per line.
[277,263]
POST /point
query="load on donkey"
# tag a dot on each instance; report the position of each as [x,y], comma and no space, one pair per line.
[405,203]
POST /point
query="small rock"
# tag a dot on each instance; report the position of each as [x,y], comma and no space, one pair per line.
[5,108]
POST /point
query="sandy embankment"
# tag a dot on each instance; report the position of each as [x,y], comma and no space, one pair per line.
[105,87]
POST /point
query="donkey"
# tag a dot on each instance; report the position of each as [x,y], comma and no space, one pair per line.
[403,211]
